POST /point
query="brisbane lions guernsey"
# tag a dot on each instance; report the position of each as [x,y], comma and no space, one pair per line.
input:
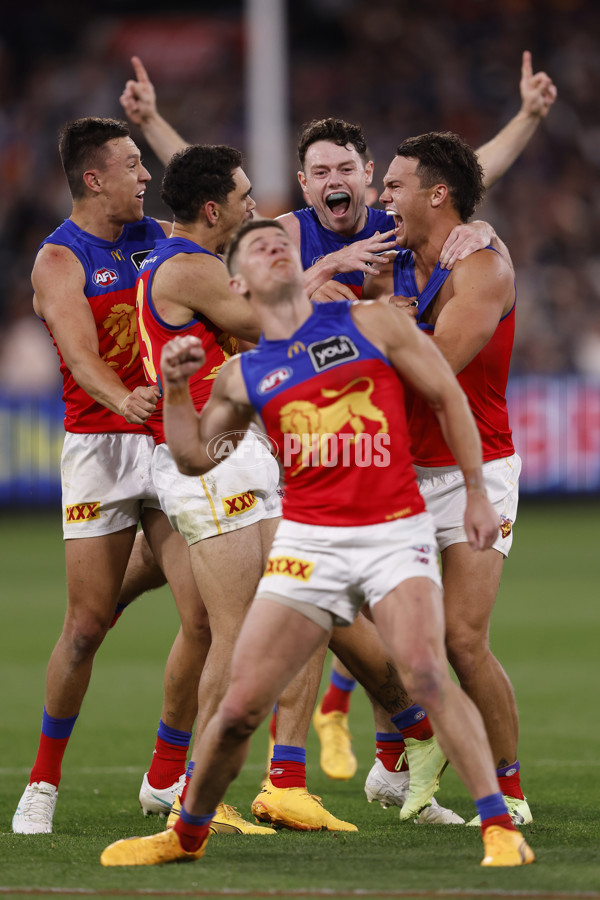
[154,333]
[111,269]
[317,241]
[333,406]
[483,380]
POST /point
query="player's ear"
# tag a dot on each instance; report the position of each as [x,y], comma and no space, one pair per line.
[369,172]
[211,212]
[302,180]
[91,179]
[238,284]
[438,194]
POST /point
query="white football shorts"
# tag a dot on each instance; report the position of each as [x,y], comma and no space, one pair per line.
[337,569]
[443,490]
[240,490]
[106,482]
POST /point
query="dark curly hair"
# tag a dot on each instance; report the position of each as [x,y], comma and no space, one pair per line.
[196,175]
[443,157]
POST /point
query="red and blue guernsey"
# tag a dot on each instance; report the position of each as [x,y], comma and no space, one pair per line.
[111,269]
[483,379]
[154,333]
[317,241]
[334,407]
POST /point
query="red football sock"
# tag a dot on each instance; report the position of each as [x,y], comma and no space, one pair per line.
[48,762]
[168,764]
[287,773]
[420,731]
[510,785]
[191,837]
[504,821]
[336,700]
[389,754]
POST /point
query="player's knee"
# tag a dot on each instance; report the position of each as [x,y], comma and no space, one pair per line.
[425,683]
[466,650]
[239,720]
[196,630]
[84,636]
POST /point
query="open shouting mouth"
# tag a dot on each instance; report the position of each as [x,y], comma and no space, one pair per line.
[338,202]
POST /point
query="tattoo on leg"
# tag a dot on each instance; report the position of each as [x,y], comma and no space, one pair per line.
[391,695]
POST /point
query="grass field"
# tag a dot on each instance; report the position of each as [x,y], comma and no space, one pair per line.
[545,631]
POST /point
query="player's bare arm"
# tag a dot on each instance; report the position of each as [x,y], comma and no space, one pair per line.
[482,293]
[58,282]
[538,93]
[199,283]
[462,241]
[420,364]
[139,102]
[228,410]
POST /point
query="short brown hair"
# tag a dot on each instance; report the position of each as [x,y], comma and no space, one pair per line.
[82,146]
[337,131]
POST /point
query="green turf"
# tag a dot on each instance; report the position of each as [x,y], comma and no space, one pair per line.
[545,631]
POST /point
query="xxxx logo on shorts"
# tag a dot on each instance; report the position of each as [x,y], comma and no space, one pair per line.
[233,506]
[82,512]
[300,569]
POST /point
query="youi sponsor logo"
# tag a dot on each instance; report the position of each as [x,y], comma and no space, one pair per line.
[331,351]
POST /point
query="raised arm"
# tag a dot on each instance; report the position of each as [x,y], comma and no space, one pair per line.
[58,282]
[139,102]
[189,435]
[538,93]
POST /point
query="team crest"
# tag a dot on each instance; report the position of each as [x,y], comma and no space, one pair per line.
[505,526]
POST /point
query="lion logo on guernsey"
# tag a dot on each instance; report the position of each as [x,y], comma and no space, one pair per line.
[350,406]
[300,569]
[82,512]
[121,325]
[105,277]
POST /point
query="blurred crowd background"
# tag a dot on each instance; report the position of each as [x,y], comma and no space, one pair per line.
[396,67]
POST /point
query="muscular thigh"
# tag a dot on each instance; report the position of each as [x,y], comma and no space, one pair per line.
[274,644]
[227,569]
[95,568]
[471,579]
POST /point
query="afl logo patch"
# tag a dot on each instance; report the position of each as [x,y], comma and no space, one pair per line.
[105,277]
[274,379]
